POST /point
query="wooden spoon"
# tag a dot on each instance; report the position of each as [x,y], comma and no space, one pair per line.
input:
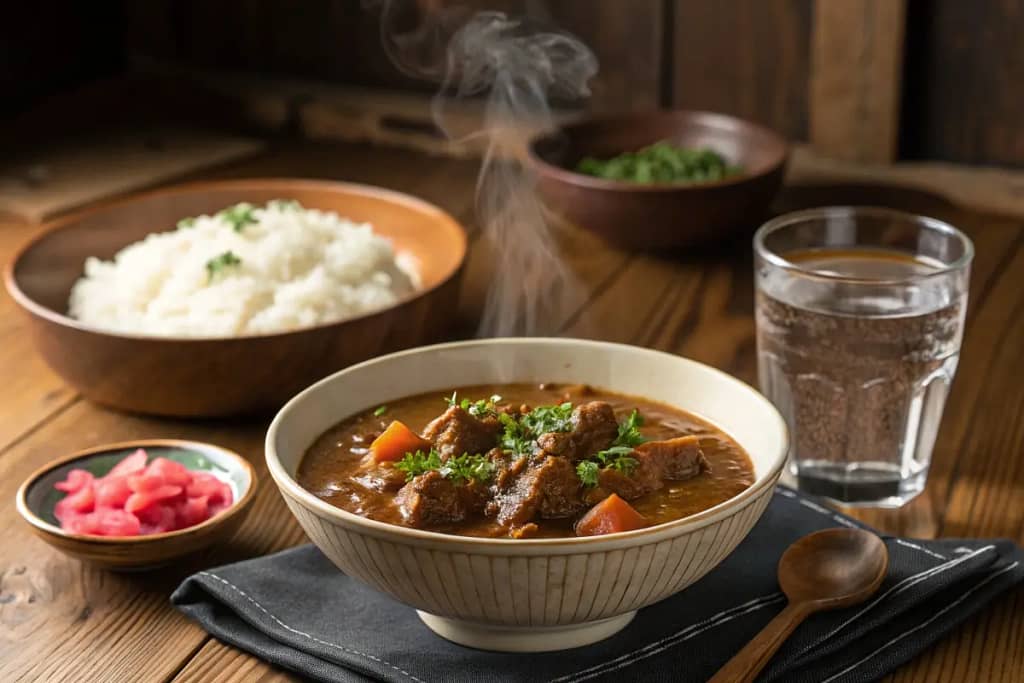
[825,570]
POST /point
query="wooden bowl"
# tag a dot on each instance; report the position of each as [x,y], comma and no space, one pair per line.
[660,215]
[210,377]
[36,499]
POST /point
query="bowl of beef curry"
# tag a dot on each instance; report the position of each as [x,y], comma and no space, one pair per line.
[527,494]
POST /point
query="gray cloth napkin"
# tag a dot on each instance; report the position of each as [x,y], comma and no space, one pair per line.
[297,610]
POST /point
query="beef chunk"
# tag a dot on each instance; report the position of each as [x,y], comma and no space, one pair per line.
[594,427]
[677,459]
[657,461]
[430,499]
[455,432]
[506,468]
[475,496]
[547,488]
[642,480]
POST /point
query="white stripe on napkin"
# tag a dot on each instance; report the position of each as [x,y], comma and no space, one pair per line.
[285,626]
[922,624]
[903,585]
[677,637]
[747,607]
[926,551]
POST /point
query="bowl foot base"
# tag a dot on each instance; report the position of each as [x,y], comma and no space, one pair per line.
[524,638]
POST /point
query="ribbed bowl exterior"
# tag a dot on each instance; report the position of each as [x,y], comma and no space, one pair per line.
[534,582]
[537,586]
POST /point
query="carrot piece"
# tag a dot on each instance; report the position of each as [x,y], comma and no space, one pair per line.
[396,441]
[610,516]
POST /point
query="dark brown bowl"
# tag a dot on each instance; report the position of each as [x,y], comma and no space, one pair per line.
[660,215]
[211,377]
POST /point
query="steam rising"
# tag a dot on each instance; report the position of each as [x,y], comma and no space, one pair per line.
[517,69]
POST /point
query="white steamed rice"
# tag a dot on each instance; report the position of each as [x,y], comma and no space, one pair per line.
[298,267]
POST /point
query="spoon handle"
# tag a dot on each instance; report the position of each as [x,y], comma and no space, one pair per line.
[748,662]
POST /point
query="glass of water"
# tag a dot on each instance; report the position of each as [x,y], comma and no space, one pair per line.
[860,314]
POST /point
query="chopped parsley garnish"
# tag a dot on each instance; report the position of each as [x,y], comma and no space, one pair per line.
[618,455]
[588,471]
[458,469]
[480,409]
[380,411]
[520,436]
[629,431]
[618,458]
[515,439]
[545,419]
[187,222]
[239,215]
[465,467]
[219,263]
[415,464]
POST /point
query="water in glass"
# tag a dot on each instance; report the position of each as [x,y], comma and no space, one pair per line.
[861,371]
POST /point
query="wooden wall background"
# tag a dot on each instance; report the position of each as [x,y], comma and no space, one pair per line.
[964,91]
[869,80]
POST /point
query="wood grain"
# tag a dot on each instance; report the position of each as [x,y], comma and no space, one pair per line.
[668,217]
[994,293]
[963,441]
[627,39]
[829,569]
[985,451]
[988,190]
[589,265]
[148,550]
[988,648]
[698,306]
[697,303]
[246,375]
[31,390]
[326,39]
[749,59]
[963,64]
[739,56]
[340,41]
[56,603]
[855,84]
[449,183]
[85,423]
[109,164]
[216,662]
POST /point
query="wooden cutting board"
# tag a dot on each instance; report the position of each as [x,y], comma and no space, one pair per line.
[44,182]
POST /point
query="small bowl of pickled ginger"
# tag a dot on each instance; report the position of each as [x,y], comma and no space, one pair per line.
[138,504]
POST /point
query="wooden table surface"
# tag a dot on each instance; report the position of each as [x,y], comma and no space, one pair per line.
[62,620]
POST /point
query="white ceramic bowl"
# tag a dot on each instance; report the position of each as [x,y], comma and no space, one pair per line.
[535,594]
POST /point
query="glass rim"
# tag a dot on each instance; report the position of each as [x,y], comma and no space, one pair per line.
[794,217]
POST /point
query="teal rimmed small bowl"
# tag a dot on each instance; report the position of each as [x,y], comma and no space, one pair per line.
[37,497]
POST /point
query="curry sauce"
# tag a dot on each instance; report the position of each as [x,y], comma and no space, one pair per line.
[335,466]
